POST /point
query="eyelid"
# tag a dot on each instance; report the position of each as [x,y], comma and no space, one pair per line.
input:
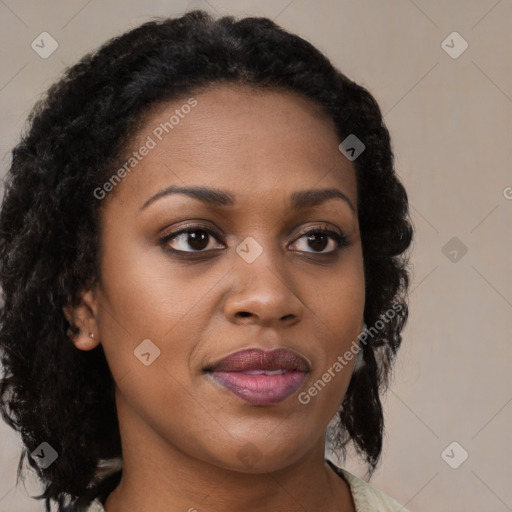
[190,226]
[323,227]
[339,237]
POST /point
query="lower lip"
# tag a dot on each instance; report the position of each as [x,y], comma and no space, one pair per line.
[260,389]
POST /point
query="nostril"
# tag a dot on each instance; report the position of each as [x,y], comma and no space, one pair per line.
[243,314]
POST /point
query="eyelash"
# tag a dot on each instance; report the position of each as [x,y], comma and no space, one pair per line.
[340,240]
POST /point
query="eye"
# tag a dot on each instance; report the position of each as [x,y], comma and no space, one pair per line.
[320,241]
[191,239]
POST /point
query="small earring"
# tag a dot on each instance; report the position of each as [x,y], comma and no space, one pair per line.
[91,335]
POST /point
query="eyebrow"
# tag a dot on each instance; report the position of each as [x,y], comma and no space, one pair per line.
[299,200]
[313,197]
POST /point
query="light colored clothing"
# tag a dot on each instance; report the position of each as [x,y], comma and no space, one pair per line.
[366,498]
[96,506]
[369,499]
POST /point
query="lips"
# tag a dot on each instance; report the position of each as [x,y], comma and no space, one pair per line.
[261,377]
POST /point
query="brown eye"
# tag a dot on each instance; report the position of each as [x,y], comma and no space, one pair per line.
[191,240]
[318,241]
[321,241]
[198,240]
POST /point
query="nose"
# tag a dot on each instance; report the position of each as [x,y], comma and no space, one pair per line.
[263,294]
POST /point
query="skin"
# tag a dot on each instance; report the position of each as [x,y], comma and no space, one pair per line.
[182,432]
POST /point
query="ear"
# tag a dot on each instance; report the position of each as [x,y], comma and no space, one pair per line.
[82,315]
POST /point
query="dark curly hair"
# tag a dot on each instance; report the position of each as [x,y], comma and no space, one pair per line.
[50,220]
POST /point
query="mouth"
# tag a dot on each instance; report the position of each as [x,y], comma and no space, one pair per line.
[261,377]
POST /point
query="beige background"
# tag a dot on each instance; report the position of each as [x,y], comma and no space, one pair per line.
[451,124]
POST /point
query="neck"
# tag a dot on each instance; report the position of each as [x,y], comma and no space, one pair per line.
[158,476]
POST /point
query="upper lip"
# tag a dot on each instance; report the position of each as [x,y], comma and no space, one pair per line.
[258,359]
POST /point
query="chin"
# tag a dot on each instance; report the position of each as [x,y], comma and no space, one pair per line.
[260,456]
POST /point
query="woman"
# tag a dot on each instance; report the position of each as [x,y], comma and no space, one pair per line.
[203,258]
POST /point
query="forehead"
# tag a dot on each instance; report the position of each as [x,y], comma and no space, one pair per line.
[238,138]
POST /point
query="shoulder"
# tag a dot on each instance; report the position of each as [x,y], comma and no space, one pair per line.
[367,498]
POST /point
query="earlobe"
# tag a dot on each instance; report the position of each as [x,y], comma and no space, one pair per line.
[84,341]
[82,316]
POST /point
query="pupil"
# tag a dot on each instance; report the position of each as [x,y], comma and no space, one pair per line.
[197,239]
[320,237]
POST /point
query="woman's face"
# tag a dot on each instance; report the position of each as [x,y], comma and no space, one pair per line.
[253,272]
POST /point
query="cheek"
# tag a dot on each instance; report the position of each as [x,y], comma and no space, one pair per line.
[143,299]
[145,293]
[339,302]
[340,321]
[150,322]
[339,310]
